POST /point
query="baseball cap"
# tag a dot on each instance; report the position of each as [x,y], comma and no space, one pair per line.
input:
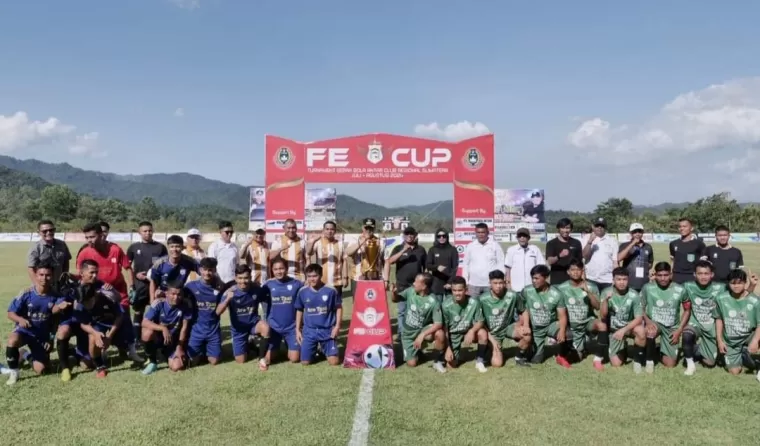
[523,231]
[636,227]
[369,222]
[194,233]
[410,231]
[600,221]
[535,194]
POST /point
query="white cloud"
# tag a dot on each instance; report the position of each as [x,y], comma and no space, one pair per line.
[18,132]
[187,4]
[180,112]
[722,116]
[452,132]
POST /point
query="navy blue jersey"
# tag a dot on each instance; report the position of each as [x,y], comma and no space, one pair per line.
[244,305]
[319,307]
[282,311]
[37,309]
[163,271]
[206,299]
[103,312]
[161,313]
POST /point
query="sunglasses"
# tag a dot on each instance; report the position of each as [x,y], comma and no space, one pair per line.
[48,231]
[228,232]
[441,235]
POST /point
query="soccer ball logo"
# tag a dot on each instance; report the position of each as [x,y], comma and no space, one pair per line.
[377,357]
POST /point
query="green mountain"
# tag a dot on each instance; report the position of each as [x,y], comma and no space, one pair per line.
[10,178]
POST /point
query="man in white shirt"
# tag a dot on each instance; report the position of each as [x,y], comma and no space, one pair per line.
[480,258]
[225,251]
[600,251]
[519,260]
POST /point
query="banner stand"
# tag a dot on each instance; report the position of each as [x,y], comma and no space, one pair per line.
[370,340]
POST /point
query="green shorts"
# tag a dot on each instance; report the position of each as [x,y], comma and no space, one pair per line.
[507,333]
[455,343]
[550,331]
[666,348]
[708,342]
[407,343]
[579,335]
[616,347]
[733,356]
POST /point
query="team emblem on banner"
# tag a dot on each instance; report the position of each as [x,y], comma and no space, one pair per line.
[375,152]
[369,343]
[370,295]
[284,158]
[370,317]
[473,159]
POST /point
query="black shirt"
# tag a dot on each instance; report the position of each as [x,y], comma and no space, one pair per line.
[685,254]
[411,263]
[642,257]
[143,255]
[529,209]
[559,268]
[446,256]
[724,260]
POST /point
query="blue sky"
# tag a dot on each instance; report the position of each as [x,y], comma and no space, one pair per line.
[576,93]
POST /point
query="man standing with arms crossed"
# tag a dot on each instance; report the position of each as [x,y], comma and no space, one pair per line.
[48,250]
[225,252]
[561,250]
[255,254]
[520,259]
[328,252]
[142,255]
[480,258]
[601,255]
[292,248]
[685,251]
[637,257]
[723,256]
[193,249]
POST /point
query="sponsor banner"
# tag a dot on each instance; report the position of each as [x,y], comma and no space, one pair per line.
[321,207]
[16,237]
[519,206]
[161,236]
[285,182]
[120,237]
[664,238]
[370,344]
[751,237]
[395,224]
[257,208]
[511,228]
[74,237]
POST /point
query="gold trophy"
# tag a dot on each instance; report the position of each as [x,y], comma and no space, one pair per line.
[370,257]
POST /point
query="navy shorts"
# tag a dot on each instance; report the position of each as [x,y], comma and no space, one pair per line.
[240,336]
[36,345]
[317,337]
[289,336]
[205,343]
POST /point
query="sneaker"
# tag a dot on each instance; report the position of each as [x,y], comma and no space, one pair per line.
[521,362]
[650,367]
[134,357]
[66,375]
[150,369]
[636,368]
[537,359]
[691,369]
[12,377]
[758,376]
[101,373]
[598,366]
[439,367]
[263,366]
[480,367]
[561,360]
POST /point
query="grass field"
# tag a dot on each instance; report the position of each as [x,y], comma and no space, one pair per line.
[236,404]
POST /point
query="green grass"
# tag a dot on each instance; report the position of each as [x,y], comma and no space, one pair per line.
[236,404]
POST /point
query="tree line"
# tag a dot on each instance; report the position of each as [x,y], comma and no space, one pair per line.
[24,206]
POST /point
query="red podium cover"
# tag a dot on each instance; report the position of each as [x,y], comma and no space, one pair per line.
[370,341]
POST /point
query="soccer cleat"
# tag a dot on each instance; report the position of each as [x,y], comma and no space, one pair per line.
[101,373]
[598,366]
[522,362]
[480,367]
[561,360]
[150,369]
[263,366]
[650,367]
[758,376]
[134,357]
[636,368]
[537,359]
[12,377]
[66,375]
[691,369]
[439,367]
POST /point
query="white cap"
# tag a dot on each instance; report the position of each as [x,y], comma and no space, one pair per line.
[193,232]
[636,227]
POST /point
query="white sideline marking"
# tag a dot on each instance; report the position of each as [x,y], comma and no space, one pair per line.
[360,431]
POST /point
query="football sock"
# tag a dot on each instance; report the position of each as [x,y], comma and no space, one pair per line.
[638,354]
[62,346]
[150,350]
[11,355]
[482,352]
[263,347]
[688,343]
[651,350]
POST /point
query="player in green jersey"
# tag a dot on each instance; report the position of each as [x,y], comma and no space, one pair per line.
[737,320]
[662,302]
[581,299]
[621,307]
[500,307]
[422,321]
[548,316]
[463,324]
[701,293]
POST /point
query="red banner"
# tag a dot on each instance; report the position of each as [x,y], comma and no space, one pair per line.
[382,158]
[370,341]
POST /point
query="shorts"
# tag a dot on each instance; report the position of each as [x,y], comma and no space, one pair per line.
[123,337]
[708,341]
[168,350]
[313,337]
[455,343]
[616,347]
[82,349]
[142,297]
[240,336]
[36,346]
[666,348]
[407,343]
[208,344]
[289,336]
[733,356]
[507,333]
[579,335]
[550,331]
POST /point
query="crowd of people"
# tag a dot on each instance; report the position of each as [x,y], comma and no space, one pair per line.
[290,290]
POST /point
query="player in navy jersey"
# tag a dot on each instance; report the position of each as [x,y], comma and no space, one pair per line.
[281,316]
[206,332]
[32,312]
[243,300]
[166,326]
[318,314]
[176,267]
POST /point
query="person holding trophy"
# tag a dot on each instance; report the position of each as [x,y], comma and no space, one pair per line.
[367,254]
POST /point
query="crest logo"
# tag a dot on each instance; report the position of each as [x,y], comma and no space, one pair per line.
[375,152]
[324,298]
[370,295]
[370,317]
[284,158]
[473,159]
[290,287]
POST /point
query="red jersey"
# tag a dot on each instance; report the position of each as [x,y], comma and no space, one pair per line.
[109,267]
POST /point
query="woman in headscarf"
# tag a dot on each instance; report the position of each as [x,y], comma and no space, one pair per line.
[442,262]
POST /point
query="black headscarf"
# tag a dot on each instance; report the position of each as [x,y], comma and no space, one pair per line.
[437,243]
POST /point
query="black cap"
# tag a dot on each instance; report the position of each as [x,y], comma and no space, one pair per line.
[535,194]
[410,231]
[260,231]
[259,191]
[600,221]
[369,222]
[523,231]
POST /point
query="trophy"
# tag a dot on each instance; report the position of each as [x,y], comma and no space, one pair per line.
[370,257]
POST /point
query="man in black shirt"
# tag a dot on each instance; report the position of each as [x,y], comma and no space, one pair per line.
[637,257]
[533,210]
[442,263]
[685,251]
[410,259]
[561,250]
[143,255]
[723,256]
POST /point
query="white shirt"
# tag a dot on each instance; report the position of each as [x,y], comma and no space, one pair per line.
[480,259]
[226,255]
[604,253]
[520,260]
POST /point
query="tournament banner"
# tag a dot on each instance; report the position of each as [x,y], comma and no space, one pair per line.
[519,208]
[321,207]
[380,158]
[370,340]
[257,208]
[395,224]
